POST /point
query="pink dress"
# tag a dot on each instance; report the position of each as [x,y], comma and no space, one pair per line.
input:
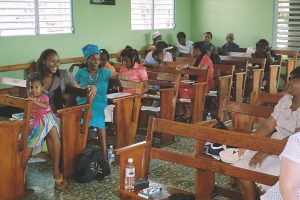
[188,93]
[39,113]
[137,74]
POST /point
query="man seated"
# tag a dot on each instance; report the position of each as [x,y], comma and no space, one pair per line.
[184,46]
[151,61]
[230,46]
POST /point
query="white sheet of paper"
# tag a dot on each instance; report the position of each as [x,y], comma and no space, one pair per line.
[117,95]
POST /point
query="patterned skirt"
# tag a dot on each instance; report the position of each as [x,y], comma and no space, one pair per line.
[39,133]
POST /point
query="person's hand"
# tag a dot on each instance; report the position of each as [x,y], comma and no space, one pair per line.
[92,90]
[257,159]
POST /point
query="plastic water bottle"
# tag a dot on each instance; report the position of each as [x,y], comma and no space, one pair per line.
[112,159]
[129,176]
[110,151]
[208,117]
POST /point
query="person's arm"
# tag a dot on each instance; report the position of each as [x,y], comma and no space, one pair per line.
[265,130]
[289,179]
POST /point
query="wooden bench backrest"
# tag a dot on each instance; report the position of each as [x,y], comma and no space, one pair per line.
[206,167]
[13,155]
[74,124]
[198,99]
[126,112]
[243,115]
[256,61]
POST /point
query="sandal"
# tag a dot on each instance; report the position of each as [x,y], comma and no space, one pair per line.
[60,183]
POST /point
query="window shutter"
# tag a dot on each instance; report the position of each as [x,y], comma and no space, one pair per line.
[17,17]
[152,14]
[288,24]
[164,14]
[55,16]
[141,14]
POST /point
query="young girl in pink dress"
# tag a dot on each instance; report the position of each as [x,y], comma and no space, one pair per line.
[44,127]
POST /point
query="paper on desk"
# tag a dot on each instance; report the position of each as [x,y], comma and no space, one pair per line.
[150,108]
[117,95]
[109,113]
[183,100]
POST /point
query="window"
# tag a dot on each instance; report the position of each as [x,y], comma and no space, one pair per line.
[287,24]
[35,17]
[152,14]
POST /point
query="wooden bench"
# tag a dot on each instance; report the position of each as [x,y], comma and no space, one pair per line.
[290,63]
[13,153]
[126,112]
[73,133]
[224,83]
[168,92]
[198,88]
[74,124]
[241,78]
[205,167]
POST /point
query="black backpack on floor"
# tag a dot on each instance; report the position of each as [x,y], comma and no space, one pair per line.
[90,166]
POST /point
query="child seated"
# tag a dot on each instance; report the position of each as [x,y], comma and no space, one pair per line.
[184,46]
[131,70]
[104,60]
[162,46]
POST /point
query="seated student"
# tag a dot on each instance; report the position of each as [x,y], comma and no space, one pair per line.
[288,186]
[212,50]
[285,121]
[156,36]
[264,51]
[157,59]
[230,46]
[44,127]
[131,70]
[184,46]
[200,52]
[162,46]
[92,75]
[104,60]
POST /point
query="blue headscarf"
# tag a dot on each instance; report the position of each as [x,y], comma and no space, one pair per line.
[90,49]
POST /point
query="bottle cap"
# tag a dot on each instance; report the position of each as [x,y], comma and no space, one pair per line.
[111,146]
[130,160]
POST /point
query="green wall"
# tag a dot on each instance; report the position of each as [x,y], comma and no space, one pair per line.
[249,20]
[107,26]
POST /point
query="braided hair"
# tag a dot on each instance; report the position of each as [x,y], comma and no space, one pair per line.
[42,59]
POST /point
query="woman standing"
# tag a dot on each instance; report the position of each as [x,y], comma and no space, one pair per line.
[91,76]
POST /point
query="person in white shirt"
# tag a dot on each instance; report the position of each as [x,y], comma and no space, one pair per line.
[167,56]
[184,46]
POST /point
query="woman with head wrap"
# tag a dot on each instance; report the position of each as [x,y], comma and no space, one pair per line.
[92,75]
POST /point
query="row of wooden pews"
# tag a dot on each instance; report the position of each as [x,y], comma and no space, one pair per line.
[205,167]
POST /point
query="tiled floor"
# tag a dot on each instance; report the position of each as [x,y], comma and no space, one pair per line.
[40,179]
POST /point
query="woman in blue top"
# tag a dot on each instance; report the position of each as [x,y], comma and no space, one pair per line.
[99,77]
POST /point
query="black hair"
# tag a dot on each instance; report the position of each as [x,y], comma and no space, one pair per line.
[262,43]
[34,77]
[181,35]
[42,59]
[295,73]
[156,52]
[130,53]
[209,33]
[104,52]
[203,47]
[160,45]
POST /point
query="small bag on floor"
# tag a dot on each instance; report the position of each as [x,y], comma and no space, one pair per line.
[90,166]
